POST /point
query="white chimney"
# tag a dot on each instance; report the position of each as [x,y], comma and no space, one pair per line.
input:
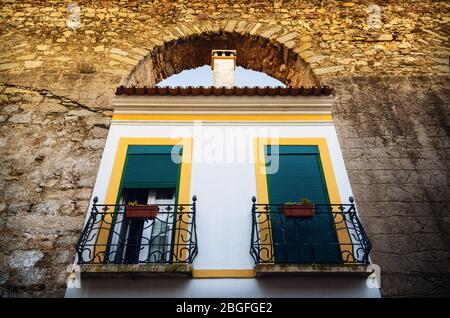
[223,64]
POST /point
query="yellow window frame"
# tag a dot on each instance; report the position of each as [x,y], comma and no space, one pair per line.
[330,180]
[112,192]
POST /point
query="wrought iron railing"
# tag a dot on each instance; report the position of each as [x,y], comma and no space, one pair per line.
[110,237]
[334,235]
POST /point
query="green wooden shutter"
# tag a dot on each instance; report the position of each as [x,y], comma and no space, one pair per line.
[300,175]
[151,167]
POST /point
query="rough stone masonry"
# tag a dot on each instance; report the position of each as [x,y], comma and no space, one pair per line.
[60,64]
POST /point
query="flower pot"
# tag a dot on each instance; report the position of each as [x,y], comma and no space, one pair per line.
[298,210]
[142,211]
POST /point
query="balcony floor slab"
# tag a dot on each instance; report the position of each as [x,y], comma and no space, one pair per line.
[267,270]
[135,270]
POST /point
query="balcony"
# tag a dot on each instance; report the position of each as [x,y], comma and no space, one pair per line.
[113,242]
[332,241]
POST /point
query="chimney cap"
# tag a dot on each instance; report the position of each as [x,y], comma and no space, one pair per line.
[224,53]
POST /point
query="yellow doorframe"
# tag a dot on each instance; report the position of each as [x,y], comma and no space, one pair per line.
[330,179]
[112,192]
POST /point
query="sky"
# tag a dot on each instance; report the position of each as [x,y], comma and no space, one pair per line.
[203,76]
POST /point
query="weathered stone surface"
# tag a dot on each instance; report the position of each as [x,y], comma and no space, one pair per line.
[337,28]
[394,138]
[46,179]
[327,70]
[33,64]
[393,129]
[385,37]
[25,259]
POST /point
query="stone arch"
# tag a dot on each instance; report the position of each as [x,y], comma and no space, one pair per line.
[265,48]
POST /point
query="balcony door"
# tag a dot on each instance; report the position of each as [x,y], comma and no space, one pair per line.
[150,176]
[300,175]
[149,241]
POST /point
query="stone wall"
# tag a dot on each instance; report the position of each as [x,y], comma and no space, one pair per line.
[51,149]
[334,37]
[391,113]
[395,137]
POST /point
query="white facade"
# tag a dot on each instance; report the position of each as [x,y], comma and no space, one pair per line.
[223,177]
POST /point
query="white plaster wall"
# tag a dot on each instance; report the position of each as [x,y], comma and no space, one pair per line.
[274,287]
[223,72]
[224,189]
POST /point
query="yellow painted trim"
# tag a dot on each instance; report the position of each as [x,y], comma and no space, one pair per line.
[223,273]
[184,191]
[327,166]
[220,117]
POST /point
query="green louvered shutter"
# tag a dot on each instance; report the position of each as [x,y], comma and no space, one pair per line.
[151,167]
[300,176]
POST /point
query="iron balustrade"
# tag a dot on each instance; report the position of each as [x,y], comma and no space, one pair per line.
[110,237]
[334,235]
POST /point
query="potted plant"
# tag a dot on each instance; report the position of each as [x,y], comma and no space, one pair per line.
[135,210]
[303,208]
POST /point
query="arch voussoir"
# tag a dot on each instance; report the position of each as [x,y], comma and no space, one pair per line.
[261,47]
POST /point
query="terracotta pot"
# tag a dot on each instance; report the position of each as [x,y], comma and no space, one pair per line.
[298,210]
[142,211]
[218,91]
[140,90]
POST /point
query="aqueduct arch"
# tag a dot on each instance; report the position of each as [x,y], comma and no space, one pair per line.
[271,51]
